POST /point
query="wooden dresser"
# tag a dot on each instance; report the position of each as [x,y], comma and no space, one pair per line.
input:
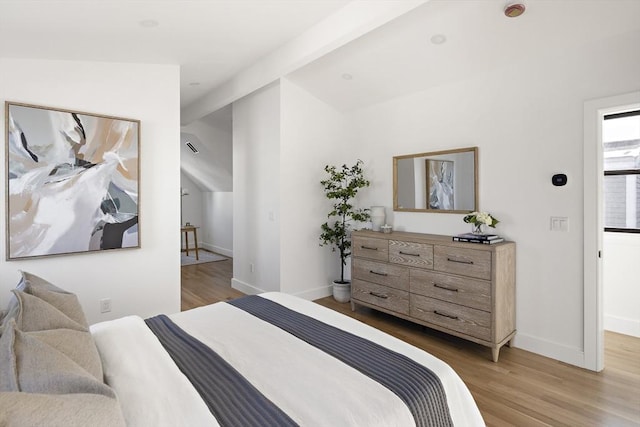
[464,289]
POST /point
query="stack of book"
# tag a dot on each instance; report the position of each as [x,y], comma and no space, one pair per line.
[487,239]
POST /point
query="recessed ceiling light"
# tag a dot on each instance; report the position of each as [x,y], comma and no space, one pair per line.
[347,76]
[149,23]
[438,38]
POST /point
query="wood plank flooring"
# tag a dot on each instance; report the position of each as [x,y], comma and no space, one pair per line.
[207,283]
[522,389]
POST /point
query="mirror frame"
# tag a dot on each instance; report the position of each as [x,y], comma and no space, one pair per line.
[473,150]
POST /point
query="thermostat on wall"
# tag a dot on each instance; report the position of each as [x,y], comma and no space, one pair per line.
[559,179]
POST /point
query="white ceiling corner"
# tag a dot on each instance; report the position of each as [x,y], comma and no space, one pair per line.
[211,40]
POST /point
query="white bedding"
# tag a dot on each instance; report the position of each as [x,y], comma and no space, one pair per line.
[313,388]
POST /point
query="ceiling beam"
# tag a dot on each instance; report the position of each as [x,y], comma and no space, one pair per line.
[354,20]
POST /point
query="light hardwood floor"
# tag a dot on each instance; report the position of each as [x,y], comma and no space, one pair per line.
[522,389]
[207,283]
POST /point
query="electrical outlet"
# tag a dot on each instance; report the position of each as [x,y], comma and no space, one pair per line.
[105,305]
[252,267]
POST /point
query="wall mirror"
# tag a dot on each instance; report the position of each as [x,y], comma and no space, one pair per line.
[441,181]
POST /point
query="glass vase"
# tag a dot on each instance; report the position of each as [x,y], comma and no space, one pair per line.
[377,215]
[478,228]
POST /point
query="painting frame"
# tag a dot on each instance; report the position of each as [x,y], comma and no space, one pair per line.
[440,184]
[72,182]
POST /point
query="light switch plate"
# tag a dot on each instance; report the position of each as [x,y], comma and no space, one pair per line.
[559,223]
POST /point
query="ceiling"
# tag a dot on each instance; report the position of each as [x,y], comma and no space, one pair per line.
[400,57]
[211,40]
[214,40]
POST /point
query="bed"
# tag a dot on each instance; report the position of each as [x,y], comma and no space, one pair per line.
[262,360]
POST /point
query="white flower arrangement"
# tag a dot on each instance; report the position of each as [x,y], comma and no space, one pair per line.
[481,218]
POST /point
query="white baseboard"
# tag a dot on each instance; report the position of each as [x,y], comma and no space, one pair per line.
[217,249]
[314,294]
[622,325]
[245,287]
[310,295]
[561,352]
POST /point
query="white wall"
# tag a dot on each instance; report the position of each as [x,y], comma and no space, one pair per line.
[149,93]
[211,169]
[218,222]
[621,283]
[313,134]
[256,184]
[283,137]
[526,120]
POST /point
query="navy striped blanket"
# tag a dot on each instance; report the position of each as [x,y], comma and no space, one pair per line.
[235,402]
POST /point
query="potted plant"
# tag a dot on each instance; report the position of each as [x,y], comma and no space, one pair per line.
[341,186]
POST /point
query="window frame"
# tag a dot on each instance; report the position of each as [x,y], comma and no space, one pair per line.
[622,172]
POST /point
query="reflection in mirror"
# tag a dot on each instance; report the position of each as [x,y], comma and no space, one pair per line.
[442,181]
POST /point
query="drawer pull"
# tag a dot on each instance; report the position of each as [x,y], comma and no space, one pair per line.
[461,261]
[375,294]
[409,254]
[446,288]
[367,247]
[445,315]
[379,274]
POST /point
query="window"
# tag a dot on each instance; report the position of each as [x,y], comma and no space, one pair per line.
[621,143]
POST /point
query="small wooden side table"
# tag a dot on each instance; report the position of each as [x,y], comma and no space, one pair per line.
[186,229]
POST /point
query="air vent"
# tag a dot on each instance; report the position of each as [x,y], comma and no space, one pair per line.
[192,147]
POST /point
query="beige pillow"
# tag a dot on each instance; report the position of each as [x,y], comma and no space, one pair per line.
[64,301]
[60,410]
[78,346]
[36,314]
[33,366]
[38,282]
[13,307]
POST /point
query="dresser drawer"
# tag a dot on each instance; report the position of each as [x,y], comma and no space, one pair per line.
[382,296]
[411,254]
[459,318]
[369,247]
[467,262]
[458,290]
[381,273]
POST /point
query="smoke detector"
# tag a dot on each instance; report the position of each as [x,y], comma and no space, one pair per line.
[514,9]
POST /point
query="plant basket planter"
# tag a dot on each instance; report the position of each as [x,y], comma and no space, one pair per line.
[342,291]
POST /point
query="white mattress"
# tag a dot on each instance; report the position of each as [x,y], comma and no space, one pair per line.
[313,388]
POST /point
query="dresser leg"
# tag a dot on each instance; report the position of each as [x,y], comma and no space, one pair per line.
[495,352]
[353,306]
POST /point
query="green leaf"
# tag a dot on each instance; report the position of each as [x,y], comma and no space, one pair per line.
[341,186]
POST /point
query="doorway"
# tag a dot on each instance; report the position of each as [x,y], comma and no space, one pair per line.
[594,113]
[206,181]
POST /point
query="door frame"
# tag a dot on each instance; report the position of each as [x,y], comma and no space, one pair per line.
[594,112]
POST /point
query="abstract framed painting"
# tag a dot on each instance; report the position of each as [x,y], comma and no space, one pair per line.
[440,184]
[72,182]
